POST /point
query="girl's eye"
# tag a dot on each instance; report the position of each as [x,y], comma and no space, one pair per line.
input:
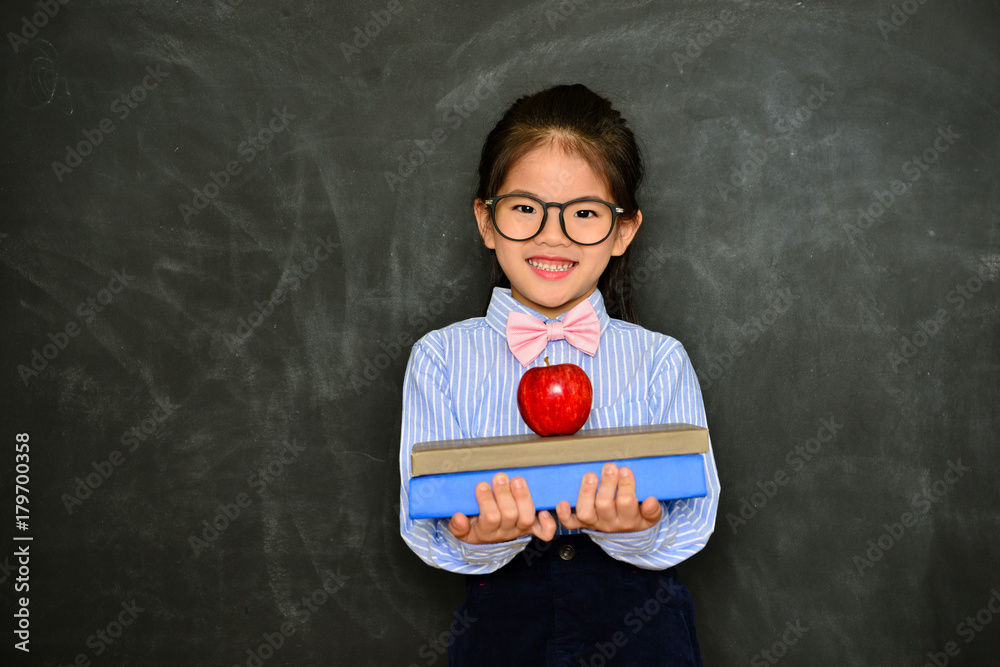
[586,214]
[524,208]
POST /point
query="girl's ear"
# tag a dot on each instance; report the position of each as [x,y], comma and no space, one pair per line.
[485,223]
[627,230]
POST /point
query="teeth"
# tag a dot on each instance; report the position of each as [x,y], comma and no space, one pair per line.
[547,266]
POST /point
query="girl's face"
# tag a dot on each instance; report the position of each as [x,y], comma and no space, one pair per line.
[550,273]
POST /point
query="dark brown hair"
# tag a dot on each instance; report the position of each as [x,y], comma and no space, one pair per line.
[585,123]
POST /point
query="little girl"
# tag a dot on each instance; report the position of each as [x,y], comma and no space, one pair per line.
[594,584]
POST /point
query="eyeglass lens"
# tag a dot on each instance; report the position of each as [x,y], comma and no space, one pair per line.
[520,218]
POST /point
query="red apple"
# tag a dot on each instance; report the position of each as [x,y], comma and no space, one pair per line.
[555,400]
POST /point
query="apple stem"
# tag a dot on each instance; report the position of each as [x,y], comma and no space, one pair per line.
[547,361]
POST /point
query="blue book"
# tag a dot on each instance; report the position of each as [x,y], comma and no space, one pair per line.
[663,477]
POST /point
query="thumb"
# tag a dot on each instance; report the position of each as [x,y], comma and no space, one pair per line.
[545,526]
[459,525]
[651,509]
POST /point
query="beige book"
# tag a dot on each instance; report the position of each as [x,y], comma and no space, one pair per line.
[522,451]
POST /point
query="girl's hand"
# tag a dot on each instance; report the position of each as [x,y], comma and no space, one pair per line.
[612,507]
[506,512]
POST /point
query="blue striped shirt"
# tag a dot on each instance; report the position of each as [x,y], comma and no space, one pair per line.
[461,382]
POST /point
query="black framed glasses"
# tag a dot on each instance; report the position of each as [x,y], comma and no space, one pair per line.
[583,221]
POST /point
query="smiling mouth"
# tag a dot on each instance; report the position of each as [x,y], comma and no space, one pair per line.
[545,265]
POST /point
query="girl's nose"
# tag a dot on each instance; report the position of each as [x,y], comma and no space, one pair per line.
[552,232]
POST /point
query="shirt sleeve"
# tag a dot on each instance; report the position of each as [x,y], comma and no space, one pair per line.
[429,414]
[686,525]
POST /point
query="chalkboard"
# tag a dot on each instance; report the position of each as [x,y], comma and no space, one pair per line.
[225,223]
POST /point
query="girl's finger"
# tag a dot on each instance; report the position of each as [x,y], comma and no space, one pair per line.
[585,511]
[566,516]
[626,503]
[506,505]
[605,501]
[545,526]
[459,525]
[489,514]
[525,505]
[652,510]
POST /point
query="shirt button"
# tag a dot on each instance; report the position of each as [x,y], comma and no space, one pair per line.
[566,552]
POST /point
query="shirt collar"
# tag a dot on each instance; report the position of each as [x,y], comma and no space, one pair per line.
[502,302]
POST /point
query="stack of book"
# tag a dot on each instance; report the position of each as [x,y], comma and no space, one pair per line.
[666,460]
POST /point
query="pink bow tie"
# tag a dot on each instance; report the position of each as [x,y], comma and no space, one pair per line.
[527,336]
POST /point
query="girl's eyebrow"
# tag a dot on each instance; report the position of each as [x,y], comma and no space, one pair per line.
[536,196]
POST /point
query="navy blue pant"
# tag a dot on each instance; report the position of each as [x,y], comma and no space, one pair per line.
[566,603]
